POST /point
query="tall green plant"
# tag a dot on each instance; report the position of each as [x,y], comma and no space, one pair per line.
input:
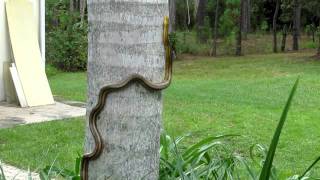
[54,172]
[266,170]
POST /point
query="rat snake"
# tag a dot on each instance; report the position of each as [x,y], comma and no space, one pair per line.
[105,91]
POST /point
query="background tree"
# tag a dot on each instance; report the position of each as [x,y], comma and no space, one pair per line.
[200,20]
[172,15]
[125,37]
[196,4]
[72,5]
[215,30]
[313,7]
[246,18]
[274,26]
[284,38]
[296,24]
[318,34]
[239,32]
[83,7]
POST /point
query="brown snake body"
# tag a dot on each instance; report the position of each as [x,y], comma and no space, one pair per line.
[105,91]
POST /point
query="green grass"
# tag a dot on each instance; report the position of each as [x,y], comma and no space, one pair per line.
[208,96]
[38,145]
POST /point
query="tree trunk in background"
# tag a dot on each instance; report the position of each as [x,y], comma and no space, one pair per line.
[239,33]
[313,36]
[196,5]
[201,14]
[125,37]
[249,16]
[245,18]
[274,26]
[71,5]
[284,38]
[215,30]
[83,6]
[318,52]
[172,15]
[296,24]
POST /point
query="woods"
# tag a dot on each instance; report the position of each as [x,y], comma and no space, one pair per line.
[218,27]
[213,27]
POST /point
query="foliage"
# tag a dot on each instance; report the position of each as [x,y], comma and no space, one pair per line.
[266,169]
[229,19]
[66,38]
[264,26]
[205,160]
[210,158]
[182,19]
[52,171]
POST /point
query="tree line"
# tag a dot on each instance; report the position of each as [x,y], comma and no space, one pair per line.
[223,17]
[210,20]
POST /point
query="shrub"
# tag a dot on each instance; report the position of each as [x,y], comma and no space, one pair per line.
[66,39]
[210,158]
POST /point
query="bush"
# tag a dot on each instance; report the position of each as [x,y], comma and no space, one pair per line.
[66,39]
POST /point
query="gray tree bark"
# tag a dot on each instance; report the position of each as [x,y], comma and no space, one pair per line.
[196,4]
[125,37]
[71,5]
[83,6]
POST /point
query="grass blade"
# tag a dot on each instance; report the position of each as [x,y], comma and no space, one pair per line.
[266,170]
[310,167]
[203,142]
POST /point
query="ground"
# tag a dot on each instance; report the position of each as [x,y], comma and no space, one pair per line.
[209,96]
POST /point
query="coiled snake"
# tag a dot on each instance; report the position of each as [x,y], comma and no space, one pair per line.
[103,94]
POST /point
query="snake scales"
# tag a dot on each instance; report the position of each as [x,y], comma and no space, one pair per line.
[105,91]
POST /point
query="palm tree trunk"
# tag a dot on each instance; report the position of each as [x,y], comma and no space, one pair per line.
[125,37]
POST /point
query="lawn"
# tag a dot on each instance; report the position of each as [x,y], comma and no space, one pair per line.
[208,96]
